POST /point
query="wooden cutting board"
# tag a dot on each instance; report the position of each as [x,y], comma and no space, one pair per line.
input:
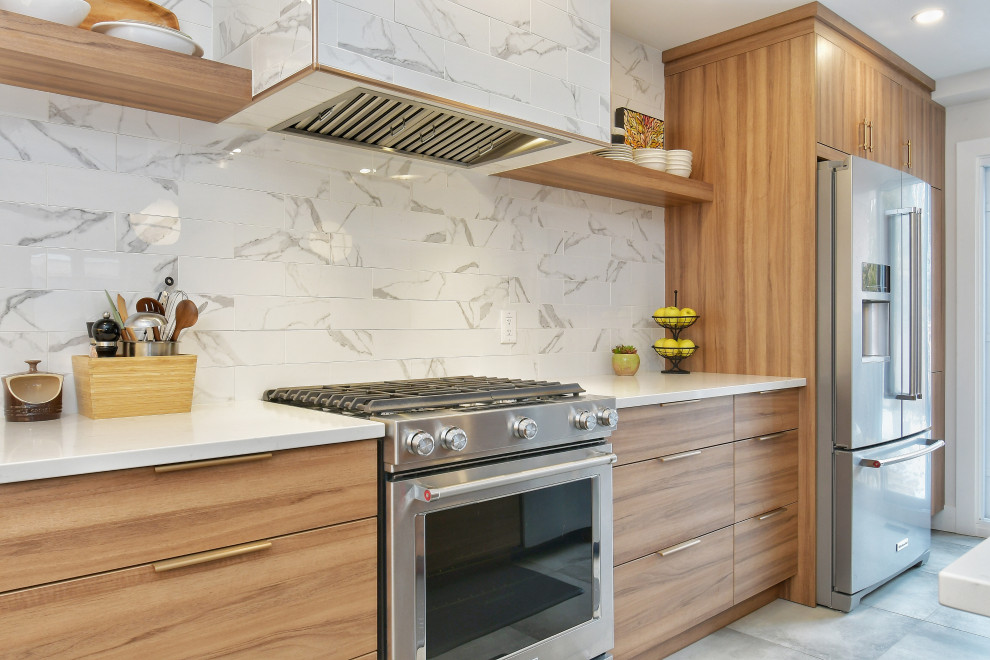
[136,10]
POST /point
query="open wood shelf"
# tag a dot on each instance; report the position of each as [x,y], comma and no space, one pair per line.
[610,178]
[57,58]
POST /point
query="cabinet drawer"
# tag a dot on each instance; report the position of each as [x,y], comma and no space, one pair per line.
[766,473]
[309,595]
[765,551]
[668,428]
[665,501]
[658,596]
[765,412]
[55,529]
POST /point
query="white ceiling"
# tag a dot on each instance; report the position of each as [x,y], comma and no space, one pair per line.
[960,43]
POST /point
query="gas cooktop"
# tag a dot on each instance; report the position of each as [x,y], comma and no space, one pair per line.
[387,397]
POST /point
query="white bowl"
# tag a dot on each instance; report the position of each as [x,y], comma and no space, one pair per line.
[66,12]
[679,171]
[150,34]
[659,167]
[680,152]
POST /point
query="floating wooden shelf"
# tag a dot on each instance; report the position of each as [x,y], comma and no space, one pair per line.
[610,178]
[57,58]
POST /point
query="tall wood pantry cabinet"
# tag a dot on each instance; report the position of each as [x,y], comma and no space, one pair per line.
[759,105]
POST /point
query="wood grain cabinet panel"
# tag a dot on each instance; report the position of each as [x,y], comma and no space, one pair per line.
[765,551]
[652,431]
[762,413]
[658,596]
[55,529]
[766,473]
[938,280]
[840,101]
[309,595]
[665,501]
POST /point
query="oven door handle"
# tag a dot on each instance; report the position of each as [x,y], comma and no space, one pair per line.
[430,494]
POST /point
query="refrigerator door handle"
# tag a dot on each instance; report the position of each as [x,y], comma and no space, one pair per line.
[916,322]
[880,462]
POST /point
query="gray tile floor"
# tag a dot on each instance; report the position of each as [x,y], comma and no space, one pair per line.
[902,620]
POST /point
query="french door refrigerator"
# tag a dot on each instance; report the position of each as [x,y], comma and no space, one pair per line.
[874,383]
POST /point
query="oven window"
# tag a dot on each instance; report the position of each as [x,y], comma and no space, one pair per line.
[506,573]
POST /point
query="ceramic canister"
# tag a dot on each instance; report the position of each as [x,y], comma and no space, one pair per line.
[32,396]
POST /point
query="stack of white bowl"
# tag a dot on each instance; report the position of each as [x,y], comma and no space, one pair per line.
[617,152]
[679,162]
[655,159]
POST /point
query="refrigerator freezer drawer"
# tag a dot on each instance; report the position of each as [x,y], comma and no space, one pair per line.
[882,511]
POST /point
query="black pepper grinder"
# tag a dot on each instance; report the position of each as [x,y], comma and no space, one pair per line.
[106,332]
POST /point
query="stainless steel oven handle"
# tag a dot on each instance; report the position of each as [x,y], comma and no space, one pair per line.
[880,462]
[428,494]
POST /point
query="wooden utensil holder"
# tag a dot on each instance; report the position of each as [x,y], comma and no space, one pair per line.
[132,386]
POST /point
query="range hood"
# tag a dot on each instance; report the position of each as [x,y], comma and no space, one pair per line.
[375,120]
[356,111]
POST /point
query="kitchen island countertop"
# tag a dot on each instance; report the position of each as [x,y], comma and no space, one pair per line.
[76,444]
[965,583]
[648,388]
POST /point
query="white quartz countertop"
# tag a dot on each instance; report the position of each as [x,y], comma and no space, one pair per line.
[646,389]
[965,583]
[77,445]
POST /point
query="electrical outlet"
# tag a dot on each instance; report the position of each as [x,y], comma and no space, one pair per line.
[507,326]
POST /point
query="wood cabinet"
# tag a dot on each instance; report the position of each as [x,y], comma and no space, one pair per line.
[756,104]
[669,591]
[681,500]
[271,554]
[306,595]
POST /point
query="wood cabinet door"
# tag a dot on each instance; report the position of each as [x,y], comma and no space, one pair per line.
[938,280]
[764,552]
[649,432]
[661,595]
[671,499]
[762,413]
[884,110]
[936,145]
[56,529]
[308,595]
[766,473]
[841,104]
[917,142]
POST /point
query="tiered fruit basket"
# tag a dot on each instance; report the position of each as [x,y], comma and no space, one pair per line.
[676,325]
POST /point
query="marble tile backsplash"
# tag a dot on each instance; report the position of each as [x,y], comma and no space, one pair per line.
[311,262]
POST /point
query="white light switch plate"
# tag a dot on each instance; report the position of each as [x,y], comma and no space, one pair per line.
[507,326]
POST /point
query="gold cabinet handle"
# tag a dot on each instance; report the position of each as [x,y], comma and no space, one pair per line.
[211,555]
[865,145]
[195,465]
[772,436]
[909,163]
[677,548]
[775,512]
[676,457]
[870,126]
[679,403]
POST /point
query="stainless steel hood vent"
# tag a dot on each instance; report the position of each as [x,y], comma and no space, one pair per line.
[373,120]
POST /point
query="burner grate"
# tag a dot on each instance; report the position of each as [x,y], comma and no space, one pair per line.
[423,394]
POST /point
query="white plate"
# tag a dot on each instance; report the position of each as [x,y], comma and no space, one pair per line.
[659,167]
[151,35]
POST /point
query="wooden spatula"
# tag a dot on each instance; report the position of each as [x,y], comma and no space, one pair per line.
[152,305]
[126,333]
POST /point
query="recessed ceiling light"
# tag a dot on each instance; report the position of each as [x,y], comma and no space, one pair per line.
[928,16]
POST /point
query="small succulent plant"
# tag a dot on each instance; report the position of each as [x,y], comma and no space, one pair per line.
[624,349]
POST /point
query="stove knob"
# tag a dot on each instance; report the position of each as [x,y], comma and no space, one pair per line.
[453,438]
[608,417]
[525,428]
[420,443]
[586,421]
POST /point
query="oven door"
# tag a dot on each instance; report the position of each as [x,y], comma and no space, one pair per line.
[510,560]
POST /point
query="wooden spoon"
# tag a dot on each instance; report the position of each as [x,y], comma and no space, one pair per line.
[186,316]
[152,305]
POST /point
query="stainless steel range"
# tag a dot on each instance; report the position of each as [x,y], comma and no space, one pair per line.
[497,509]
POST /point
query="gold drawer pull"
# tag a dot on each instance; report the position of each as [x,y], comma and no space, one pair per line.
[210,555]
[195,465]
[679,403]
[775,512]
[676,457]
[767,391]
[677,548]
[772,436]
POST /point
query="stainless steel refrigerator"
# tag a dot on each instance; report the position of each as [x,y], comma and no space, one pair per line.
[874,383]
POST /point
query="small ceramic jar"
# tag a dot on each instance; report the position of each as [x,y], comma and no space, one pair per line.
[32,396]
